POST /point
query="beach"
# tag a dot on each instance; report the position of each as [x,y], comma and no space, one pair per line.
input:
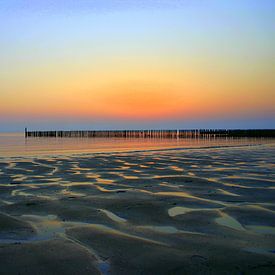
[137,137]
[199,210]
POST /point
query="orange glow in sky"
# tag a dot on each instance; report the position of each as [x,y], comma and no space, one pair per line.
[124,62]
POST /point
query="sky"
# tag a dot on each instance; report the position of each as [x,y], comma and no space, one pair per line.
[110,64]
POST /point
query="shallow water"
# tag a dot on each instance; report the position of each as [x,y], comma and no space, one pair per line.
[15,144]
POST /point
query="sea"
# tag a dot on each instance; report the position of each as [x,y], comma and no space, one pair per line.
[15,144]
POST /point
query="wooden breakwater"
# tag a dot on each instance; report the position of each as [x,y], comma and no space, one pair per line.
[193,133]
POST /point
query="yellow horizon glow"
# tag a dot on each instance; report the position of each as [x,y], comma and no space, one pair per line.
[124,70]
[136,92]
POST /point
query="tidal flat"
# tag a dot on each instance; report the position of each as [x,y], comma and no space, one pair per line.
[193,211]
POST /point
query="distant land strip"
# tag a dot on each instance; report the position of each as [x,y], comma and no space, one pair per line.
[193,133]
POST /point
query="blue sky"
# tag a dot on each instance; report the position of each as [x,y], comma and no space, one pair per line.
[191,64]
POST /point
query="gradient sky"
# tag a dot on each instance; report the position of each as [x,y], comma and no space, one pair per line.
[137,64]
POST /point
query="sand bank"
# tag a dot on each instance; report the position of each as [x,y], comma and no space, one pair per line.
[208,211]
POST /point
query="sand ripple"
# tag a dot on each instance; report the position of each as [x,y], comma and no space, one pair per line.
[177,212]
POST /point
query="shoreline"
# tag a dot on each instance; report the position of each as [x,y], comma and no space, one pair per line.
[126,151]
[13,146]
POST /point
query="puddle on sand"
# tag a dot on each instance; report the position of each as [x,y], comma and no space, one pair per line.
[176,168]
[104,190]
[6,202]
[130,177]
[109,230]
[177,194]
[113,216]
[21,192]
[189,196]
[66,192]
[104,181]
[262,229]
[181,210]
[228,221]
[224,220]
[169,185]
[167,229]
[47,226]
[258,250]
[19,177]
[224,192]
[161,229]
[104,267]
[92,176]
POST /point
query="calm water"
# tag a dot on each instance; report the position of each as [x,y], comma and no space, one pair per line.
[15,144]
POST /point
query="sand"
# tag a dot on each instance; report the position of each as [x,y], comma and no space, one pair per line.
[197,211]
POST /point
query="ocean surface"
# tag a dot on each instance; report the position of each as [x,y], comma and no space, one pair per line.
[15,144]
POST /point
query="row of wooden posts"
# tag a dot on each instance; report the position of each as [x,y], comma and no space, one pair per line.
[194,133]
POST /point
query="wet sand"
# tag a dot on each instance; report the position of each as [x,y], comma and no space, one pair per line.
[195,211]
